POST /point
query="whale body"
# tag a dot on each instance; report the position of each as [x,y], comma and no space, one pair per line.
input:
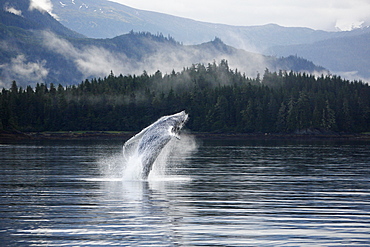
[148,143]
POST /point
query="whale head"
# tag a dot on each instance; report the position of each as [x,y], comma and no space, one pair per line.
[177,121]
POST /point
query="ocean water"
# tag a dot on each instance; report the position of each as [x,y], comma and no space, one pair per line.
[201,193]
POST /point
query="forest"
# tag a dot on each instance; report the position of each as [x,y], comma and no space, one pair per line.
[217,98]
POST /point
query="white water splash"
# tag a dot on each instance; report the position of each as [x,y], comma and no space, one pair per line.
[172,157]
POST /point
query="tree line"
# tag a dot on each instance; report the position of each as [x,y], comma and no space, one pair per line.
[217,98]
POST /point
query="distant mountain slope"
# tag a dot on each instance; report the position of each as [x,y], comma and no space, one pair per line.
[35,48]
[105,19]
[31,19]
[349,56]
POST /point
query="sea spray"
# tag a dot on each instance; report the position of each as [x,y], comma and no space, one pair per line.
[171,158]
[147,154]
[112,166]
[166,167]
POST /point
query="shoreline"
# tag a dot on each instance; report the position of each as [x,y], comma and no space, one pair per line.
[125,135]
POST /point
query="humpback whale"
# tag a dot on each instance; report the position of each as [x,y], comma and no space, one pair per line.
[149,142]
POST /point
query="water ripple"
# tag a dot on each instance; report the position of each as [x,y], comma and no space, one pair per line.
[226,195]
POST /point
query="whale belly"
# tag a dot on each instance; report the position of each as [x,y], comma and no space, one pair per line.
[150,148]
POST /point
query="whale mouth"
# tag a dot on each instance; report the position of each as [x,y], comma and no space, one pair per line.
[175,130]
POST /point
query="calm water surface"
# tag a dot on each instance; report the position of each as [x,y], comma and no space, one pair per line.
[225,193]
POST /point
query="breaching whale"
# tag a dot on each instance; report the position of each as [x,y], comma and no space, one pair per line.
[148,143]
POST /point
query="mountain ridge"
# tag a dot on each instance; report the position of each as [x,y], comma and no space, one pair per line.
[55,54]
[345,50]
[264,39]
[183,29]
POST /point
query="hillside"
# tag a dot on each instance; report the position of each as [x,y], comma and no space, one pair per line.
[105,19]
[33,52]
[27,19]
[348,56]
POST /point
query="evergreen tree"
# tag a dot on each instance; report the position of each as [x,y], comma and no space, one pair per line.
[216,97]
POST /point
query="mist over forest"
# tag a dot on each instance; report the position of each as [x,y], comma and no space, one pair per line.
[217,98]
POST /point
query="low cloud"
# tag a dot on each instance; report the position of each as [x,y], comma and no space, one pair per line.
[19,69]
[96,61]
[43,6]
[352,76]
[13,10]
[91,61]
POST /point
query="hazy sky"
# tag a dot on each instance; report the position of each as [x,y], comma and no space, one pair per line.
[316,14]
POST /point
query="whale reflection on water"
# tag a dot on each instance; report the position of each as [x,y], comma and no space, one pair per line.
[142,150]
